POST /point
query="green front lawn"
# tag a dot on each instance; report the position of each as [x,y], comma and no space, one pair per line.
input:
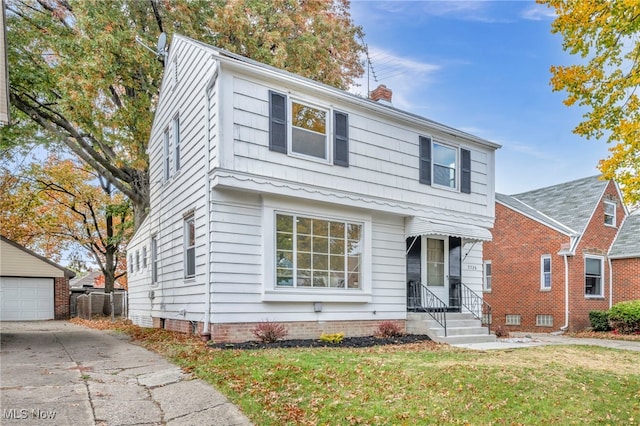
[416,384]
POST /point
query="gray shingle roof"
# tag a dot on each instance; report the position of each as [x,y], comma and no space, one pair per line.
[570,204]
[627,242]
[519,206]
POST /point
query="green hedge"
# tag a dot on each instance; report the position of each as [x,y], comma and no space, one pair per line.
[625,317]
[599,320]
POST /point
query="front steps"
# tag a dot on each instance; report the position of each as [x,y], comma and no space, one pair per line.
[462,328]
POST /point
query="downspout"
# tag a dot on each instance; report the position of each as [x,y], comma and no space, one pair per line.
[206,332]
[565,327]
[610,282]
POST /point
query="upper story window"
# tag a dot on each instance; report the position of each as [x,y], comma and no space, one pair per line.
[545,272]
[308,131]
[487,276]
[144,257]
[165,156]
[317,253]
[593,276]
[176,141]
[444,165]
[302,129]
[609,213]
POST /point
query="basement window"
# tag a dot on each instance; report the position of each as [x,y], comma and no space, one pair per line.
[512,319]
[544,320]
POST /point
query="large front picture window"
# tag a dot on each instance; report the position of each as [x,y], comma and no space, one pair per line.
[308,131]
[317,253]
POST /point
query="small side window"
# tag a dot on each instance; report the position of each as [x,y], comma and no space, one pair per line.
[609,213]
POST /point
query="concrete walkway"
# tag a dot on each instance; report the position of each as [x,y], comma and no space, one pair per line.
[525,340]
[58,373]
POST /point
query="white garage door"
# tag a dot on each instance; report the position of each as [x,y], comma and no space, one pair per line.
[26,299]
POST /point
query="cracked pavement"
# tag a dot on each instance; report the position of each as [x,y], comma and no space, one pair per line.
[58,373]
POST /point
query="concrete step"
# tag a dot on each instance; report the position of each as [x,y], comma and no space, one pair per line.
[471,338]
[461,328]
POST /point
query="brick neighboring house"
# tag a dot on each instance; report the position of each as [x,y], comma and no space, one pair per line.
[625,260]
[549,263]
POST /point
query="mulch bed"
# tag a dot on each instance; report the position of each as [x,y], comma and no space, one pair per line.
[347,342]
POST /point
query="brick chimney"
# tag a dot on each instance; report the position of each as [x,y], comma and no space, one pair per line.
[381,93]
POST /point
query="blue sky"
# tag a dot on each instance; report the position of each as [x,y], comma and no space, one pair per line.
[483,67]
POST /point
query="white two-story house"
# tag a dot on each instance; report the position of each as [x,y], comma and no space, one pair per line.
[277,198]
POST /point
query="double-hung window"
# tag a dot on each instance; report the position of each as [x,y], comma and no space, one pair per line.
[444,165]
[176,141]
[318,253]
[166,161]
[189,246]
[609,213]
[487,276]
[154,260]
[545,272]
[593,276]
[312,131]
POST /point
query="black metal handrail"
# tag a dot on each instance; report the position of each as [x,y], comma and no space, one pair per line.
[420,299]
[475,304]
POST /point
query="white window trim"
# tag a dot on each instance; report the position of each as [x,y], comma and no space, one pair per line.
[166,155]
[602,277]
[189,218]
[272,293]
[175,124]
[613,225]
[513,317]
[155,270]
[485,288]
[433,164]
[542,259]
[329,134]
[540,323]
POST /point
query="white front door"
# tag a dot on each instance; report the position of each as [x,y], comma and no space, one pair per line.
[436,266]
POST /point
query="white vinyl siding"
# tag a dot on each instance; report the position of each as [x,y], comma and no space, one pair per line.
[383,162]
[166,160]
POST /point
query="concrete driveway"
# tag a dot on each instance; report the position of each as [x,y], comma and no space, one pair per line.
[58,373]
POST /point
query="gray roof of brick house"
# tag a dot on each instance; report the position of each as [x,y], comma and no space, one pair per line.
[568,205]
[529,211]
[627,242]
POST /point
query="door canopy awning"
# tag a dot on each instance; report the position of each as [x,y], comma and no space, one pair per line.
[416,226]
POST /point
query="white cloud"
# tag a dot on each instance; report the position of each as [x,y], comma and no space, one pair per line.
[401,74]
[538,12]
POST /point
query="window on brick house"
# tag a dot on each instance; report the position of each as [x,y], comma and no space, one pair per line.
[545,272]
[593,276]
[512,319]
[609,213]
[544,320]
[487,276]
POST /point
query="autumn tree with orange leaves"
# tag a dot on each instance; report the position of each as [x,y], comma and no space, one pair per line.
[49,207]
[605,38]
[78,76]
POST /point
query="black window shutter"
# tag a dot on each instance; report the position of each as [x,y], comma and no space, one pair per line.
[465,184]
[277,122]
[425,160]
[341,139]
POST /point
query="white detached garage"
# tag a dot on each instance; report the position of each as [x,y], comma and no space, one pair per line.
[31,286]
